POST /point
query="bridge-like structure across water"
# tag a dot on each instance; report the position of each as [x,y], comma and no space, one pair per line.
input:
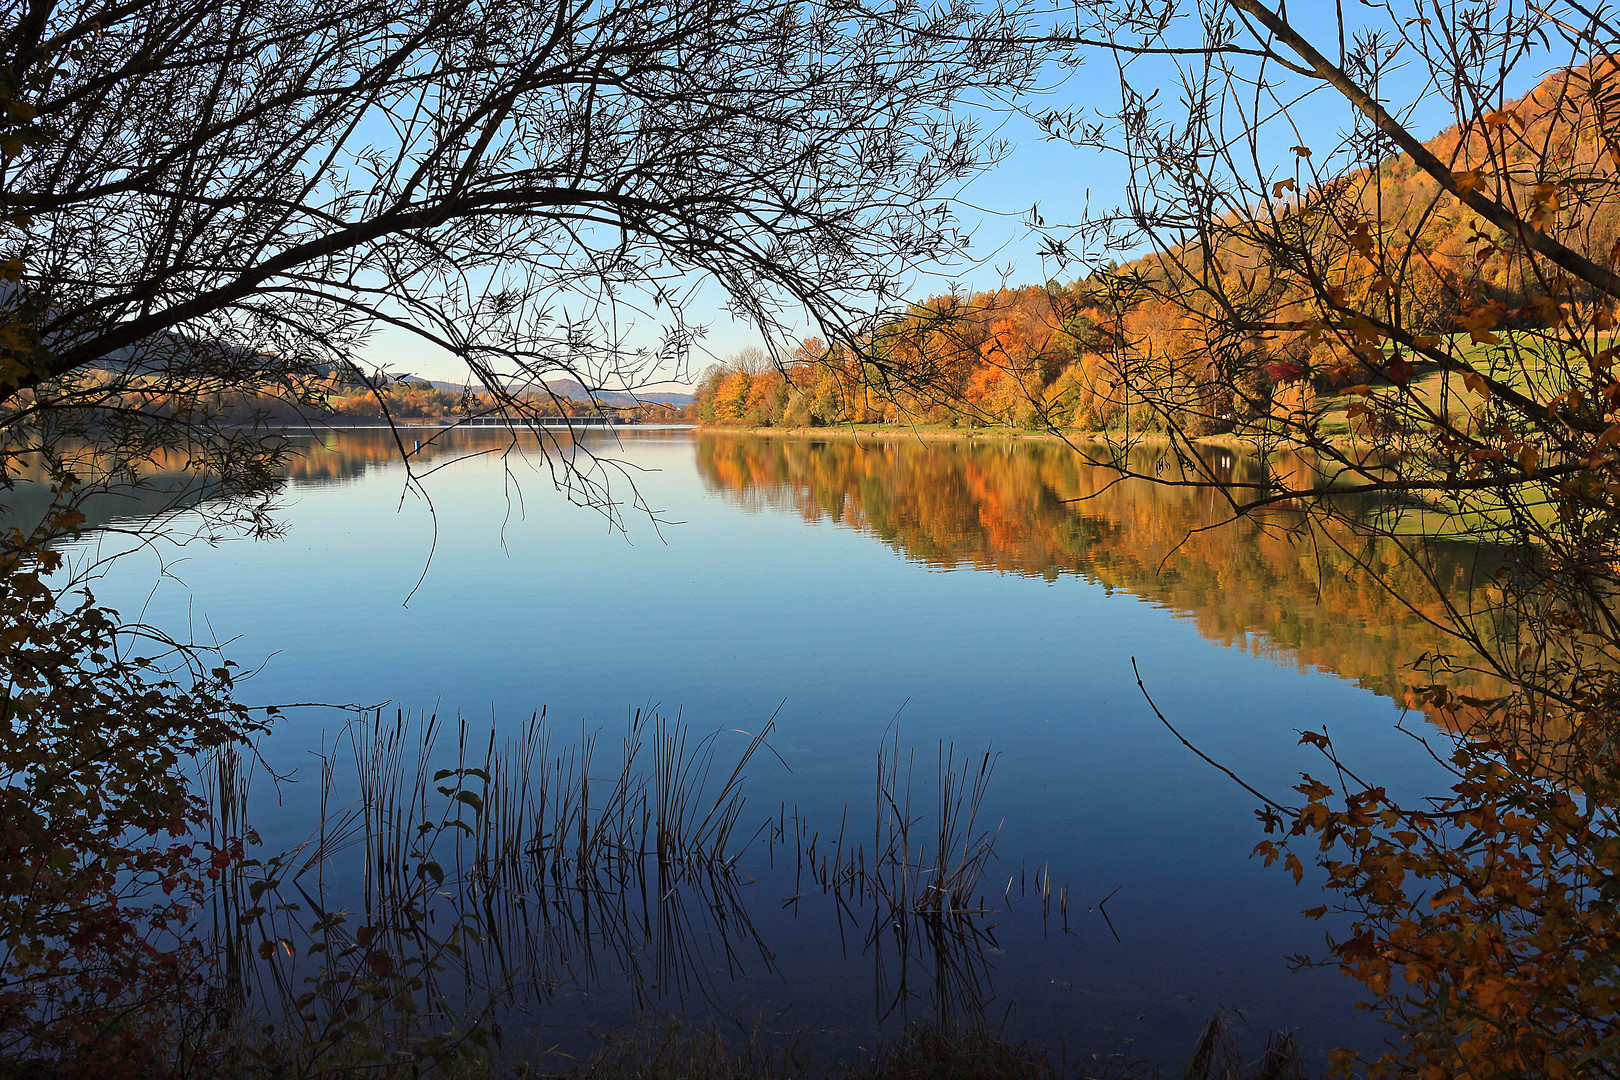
[542,421]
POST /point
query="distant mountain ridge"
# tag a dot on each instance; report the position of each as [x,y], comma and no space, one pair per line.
[573,390]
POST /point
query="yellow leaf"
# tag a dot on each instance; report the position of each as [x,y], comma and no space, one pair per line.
[1468,180]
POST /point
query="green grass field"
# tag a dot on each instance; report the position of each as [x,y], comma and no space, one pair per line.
[1524,360]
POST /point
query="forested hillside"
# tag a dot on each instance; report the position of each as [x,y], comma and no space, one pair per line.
[1079,355]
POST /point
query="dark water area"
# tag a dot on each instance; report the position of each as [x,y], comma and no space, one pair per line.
[945,597]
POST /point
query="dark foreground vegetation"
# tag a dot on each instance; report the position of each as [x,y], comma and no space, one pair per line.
[924,1052]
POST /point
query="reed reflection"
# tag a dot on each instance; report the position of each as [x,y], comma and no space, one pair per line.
[473,876]
[466,874]
[914,902]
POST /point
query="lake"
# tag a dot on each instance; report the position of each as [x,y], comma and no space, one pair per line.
[979,596]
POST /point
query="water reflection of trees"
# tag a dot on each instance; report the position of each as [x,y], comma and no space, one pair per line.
[347,453]
[1276,586]
[147,494]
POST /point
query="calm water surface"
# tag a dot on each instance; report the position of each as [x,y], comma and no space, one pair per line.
[949,589]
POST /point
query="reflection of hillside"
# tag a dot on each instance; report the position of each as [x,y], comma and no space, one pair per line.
[172,481]
[1010,507]
[337,454]
[165,485]
[342,454]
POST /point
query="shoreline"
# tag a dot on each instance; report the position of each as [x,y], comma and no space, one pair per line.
[874,432]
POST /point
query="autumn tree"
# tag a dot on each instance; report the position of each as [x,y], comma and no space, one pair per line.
[1429,324]
[106,857]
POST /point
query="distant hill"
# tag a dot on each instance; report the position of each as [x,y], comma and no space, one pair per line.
[573,390]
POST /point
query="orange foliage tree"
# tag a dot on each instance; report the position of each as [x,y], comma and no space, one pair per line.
[1428,325]
[103,969]
[106,860]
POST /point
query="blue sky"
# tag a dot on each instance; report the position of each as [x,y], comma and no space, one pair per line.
[1060,179]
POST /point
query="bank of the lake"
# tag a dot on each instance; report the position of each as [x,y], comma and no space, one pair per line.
[945,433]
[930,432]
